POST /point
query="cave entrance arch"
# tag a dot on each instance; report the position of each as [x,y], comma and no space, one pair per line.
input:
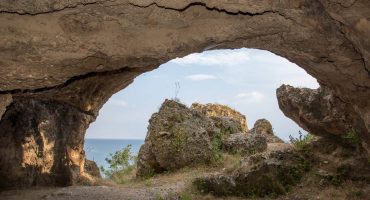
[244,79]
[61,62]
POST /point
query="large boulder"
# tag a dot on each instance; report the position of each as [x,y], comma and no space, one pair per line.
[319,112]
[245,144]
[263,128]
[177,137]
[225,118]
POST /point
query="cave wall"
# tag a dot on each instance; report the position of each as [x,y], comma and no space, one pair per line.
[41,143]
[74,54]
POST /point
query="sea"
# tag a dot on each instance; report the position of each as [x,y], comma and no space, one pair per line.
[99,149]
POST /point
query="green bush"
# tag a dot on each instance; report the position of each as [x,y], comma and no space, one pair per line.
[217,147]
[301,142]
[351,136]
[121,163]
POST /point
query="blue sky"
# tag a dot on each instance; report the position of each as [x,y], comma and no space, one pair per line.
[244,79]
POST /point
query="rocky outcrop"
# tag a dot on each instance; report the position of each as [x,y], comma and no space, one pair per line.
[42,144]
[319,111]
[277,170]
[266,176]
[92,168]
[226,125]
[79,52]
[175,130]
[222,116]
[244,144]
[177,137]
[263,128]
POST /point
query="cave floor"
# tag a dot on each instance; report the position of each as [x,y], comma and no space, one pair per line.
[163,186]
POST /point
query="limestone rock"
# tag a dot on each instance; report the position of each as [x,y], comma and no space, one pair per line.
[78,53]
[272,175]
[223,116]
[42,144]
[92,168]
[318,111]
[5,100]
[177,137]
[263,128]
[146,163]
[245,144]
[226,125]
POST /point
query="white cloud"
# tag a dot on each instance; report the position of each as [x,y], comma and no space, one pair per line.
[215,57]
[249,97]
[117,102]
[200,77]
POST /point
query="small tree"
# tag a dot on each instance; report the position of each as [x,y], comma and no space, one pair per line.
[121,162]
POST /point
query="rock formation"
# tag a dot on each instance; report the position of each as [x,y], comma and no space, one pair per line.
[177,137]
[205,130]
[76,53]
[273,175]
[41,143]
[263,128]
[222,114]
[176,130]
[244,143]
[318,111]
[92,168]
[275,172]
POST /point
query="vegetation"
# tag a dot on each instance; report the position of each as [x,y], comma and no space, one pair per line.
[351,136]
[122,165]
[302,141]
[216,146]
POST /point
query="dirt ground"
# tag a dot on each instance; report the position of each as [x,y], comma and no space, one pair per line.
[167,186]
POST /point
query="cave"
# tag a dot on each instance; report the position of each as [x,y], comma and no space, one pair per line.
[62,60]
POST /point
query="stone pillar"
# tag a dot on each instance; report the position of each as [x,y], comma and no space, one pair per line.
[41,143]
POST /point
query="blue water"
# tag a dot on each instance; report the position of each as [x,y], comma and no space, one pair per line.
[99,149]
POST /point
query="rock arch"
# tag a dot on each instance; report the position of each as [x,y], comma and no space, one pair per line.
[62,60]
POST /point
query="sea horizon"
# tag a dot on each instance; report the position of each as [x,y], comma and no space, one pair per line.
[97,149]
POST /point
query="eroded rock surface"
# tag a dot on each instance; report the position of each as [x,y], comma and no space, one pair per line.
[5,100]
[177,137]
[222,116]
[244,144]
[92,168]
[319,111]
[41,143]
[263,128]
[80,52]
[270,175]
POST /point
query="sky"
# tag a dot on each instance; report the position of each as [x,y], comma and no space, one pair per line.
[244,79]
